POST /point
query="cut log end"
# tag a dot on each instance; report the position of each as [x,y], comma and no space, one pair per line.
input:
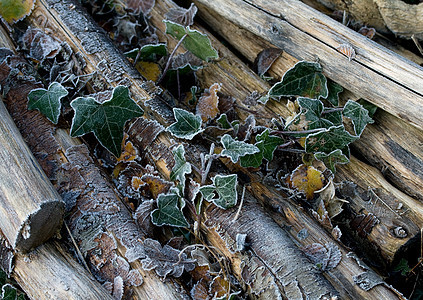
[41,225]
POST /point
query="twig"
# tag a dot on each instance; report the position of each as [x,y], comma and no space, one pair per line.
[417,44]
[283,132]
[170,59]
[77,249]
[240,205]
[378,198]
[328,111]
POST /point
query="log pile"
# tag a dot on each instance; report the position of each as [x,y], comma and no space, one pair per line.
[383,213]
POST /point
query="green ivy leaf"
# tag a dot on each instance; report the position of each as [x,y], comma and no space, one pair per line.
[403,267]
[168,211]
[312,109]
[333,92]
[149,52]
[196,42]
[253,160]
[8,292]
[13,11]
[187,124]
[358,114]
[181,168]
[225,187]
[271,142]
[328,140]
[223,122]
[236,149]
[105,120]
[335,116]
[304,79]
[369,106]
[332,159]
[48,101]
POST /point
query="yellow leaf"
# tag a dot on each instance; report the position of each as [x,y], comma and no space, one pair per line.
[207,106]
[15,10]
[307,179]
[156,185]
[129,153]
[149,70]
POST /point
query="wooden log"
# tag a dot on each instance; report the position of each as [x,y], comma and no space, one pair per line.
[31,211]
[376,74]
[100,222]
[391,144]
[163,159]
[230,71]
[49,272]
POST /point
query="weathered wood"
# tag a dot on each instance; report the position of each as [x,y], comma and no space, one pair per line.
[391,144]
[101,224]
[231,72]
[49,272]
[31,211]
[376,74]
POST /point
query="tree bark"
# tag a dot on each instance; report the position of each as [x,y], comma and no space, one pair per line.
[31,211]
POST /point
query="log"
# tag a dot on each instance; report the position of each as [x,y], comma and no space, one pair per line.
[49,272]
[231,72]
[31,211]
[106,53]
[100,223]
[376,74]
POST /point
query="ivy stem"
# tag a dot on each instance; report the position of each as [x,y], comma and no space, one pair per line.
[287,144]
[332,110]
[283,132]
[171,58]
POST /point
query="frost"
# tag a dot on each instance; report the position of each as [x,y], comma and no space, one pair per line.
[182,16]
[166,261]
[187,125]
[236,149]
[325,257]
[225,187]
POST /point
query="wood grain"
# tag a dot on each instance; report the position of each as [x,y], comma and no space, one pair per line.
[31,211]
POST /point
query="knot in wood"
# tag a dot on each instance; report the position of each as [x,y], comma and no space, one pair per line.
[400,232]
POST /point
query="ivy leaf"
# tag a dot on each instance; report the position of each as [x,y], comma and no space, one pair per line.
[333,92]
[181,167]
[196,42]
[168,211]
[327,140]
[106,120]
[182,15]
[358,114]
[304,79]
[403,267]
[13,11]
[48,101]
[225,187]
[270,144]
[236,149]
[369,106]
[331,159]
[148,52]
[253,160]
[333,116]
[187,124]
[312,109]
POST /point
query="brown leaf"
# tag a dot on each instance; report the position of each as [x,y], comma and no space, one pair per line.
[218,287]
[40,45]
[143,216]
[307,179]
[322,216]
[182,16]
[165,260]
[326,257]
[207,106]
[149,70]
[140,6]
[129,152]
[367,31]
[156,185]
[265,59]
[199,291]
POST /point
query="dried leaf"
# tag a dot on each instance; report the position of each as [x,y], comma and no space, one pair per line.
[149,70]
[218,287]
[336,233]
[13,11]
[325,257]
[199,291]
[40,45]
[140,6]
[207,106]
[156,185]
[265,59]
[182,16]
[307,179]
[143,216]
[322,216]
[347,50]
[129,152]
[166,261]
[367,31]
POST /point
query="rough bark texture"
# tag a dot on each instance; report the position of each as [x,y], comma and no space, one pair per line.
[30,208]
